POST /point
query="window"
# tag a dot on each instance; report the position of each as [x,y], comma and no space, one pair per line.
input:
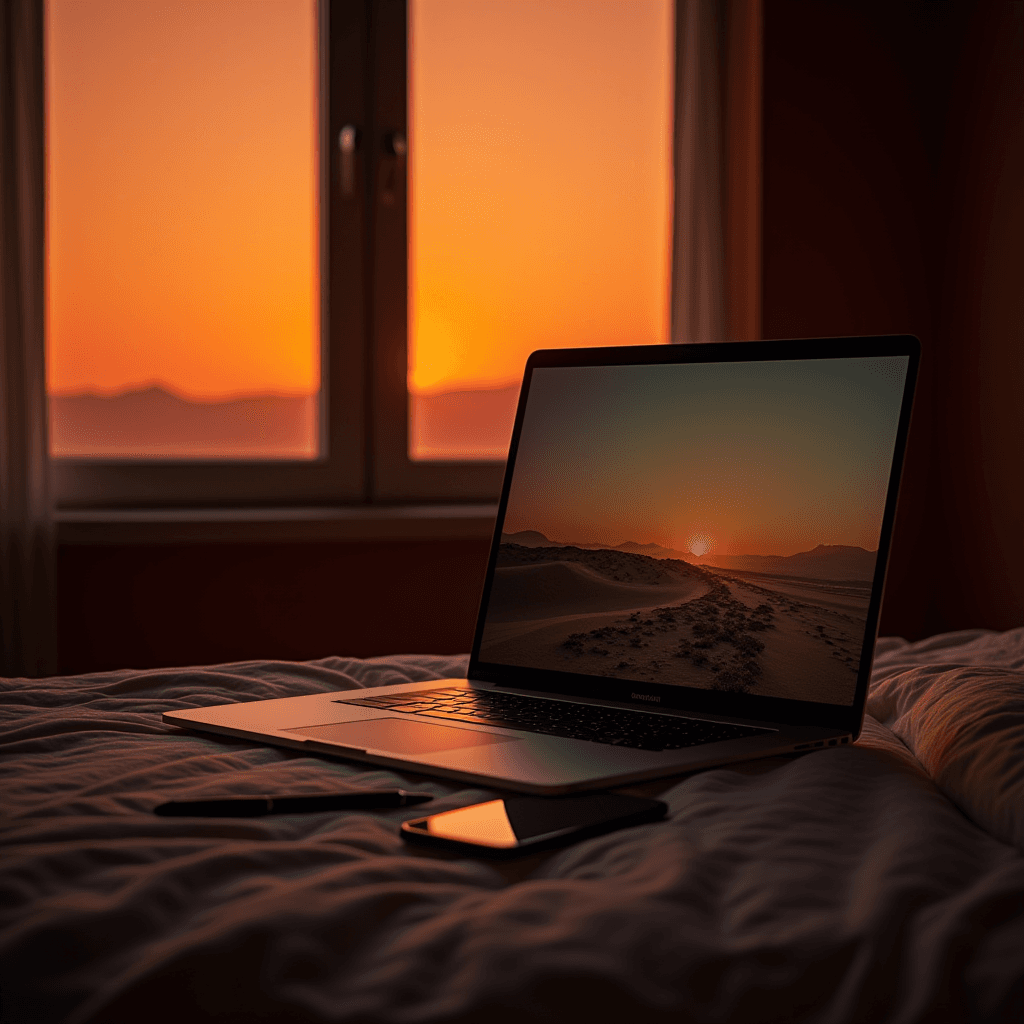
[385,311]
[539,208]
[220,164]
[183,284]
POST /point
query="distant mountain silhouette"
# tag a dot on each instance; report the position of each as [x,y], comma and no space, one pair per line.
[826,562]
[157,424]
[529,539]
[655,551]
[153,423]
[633,548]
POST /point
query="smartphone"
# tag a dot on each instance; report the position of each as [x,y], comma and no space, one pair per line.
[522,824]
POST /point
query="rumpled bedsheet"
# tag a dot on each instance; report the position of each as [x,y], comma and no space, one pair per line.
[847,884]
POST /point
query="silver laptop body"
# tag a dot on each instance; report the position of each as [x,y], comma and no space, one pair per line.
[687,570]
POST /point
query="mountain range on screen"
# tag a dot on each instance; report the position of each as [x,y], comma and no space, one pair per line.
[826,561]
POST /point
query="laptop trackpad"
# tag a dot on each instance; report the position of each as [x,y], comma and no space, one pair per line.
[400,736]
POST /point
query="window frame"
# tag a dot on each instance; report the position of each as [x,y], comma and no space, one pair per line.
[339,475]
[395,476]
[363,415]
[363,245]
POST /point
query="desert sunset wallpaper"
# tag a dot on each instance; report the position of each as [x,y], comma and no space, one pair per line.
[709,525]
[184,210]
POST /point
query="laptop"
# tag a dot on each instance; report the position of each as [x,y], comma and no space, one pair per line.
[687,570]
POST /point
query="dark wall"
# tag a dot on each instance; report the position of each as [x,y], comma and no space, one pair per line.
[163,605]
[980,313]
[892,203]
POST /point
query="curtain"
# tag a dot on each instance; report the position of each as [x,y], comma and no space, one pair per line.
[716,241]
[27,616]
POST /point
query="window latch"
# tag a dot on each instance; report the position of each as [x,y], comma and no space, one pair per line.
[348,143]
[395,151]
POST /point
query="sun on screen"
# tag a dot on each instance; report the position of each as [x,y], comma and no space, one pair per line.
[700,545]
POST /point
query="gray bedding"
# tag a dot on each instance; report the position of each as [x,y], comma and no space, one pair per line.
[879,882]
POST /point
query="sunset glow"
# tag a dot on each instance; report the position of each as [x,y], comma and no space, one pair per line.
[722,458]
[540,212]
[700,545]
[183,211]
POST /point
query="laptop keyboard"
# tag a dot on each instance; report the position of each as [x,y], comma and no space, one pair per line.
[621,728]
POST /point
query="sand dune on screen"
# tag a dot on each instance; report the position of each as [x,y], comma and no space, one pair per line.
[612,613]
[555,589]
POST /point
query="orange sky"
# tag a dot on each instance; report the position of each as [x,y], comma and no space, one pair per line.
[750,458]
[182,203]
[540,170]
[182,197]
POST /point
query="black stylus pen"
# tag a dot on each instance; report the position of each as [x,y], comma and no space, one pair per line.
[255,806]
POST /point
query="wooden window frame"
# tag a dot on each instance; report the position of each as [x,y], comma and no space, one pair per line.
[364,415]
[363,308]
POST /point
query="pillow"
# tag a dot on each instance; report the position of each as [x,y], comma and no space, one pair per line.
[965,724]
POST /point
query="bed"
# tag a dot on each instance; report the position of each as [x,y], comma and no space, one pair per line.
[878,882]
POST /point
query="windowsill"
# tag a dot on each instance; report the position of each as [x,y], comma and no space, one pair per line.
[275,525]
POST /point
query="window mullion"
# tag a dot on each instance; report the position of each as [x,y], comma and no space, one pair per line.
[395,476]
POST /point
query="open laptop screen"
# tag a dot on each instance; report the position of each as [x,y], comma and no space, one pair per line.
[712,525]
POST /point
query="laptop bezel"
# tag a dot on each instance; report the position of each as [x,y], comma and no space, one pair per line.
[697,699]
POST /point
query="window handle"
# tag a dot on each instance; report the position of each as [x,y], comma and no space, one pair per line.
[348,143]
[395,145]
[395,151]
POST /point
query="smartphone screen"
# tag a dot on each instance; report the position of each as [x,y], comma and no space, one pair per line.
[522,823]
